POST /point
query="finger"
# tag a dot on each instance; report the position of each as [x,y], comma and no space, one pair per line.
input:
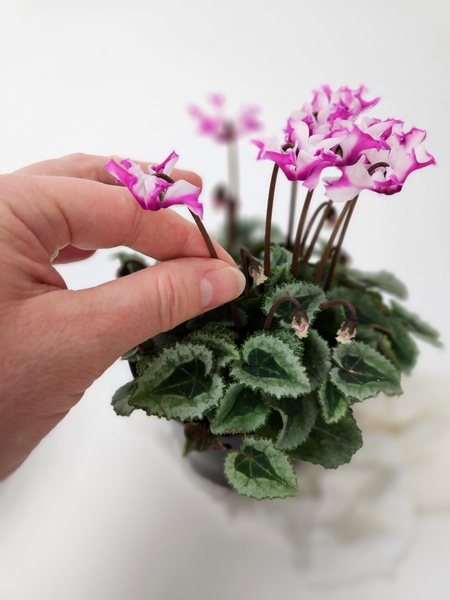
[91,215]
[71,254]
[88,166]
[91,328]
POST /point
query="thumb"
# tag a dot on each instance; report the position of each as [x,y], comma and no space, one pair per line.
[108,320]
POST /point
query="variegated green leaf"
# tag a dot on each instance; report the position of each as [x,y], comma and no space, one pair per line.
[309,295]
[298,416]
[414,323]
[330,445]
[260,471]
[223,349]
[362,372]
[383,280]
[269,364]
[179,383]
[241,410]
[316,358]
[121,398]
[333,403]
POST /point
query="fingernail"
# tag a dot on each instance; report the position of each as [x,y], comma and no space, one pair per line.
[221,285]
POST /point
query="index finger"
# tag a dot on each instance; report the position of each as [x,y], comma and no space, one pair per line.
[89,166]
[91,215]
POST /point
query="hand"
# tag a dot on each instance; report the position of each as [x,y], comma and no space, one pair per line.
[55,342]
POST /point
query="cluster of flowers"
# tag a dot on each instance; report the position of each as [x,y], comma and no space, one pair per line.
[372,154]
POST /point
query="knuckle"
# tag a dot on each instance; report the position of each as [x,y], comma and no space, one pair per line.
[171,301]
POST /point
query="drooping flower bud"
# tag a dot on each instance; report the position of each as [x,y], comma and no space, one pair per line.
[300,324]
[256,271]
[347,331]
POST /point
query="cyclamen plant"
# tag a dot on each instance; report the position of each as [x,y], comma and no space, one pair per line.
[279,368]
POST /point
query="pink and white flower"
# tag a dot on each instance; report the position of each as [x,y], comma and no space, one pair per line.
[304,158]
[222,128]
[327,106]
[154,190]
[383,168]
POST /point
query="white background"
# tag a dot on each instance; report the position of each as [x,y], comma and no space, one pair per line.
[104,508]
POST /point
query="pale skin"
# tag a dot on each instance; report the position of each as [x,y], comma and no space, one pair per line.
[55,342]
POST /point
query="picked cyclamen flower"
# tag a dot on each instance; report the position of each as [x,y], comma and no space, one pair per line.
[347,331]
[222,128]
[155,190]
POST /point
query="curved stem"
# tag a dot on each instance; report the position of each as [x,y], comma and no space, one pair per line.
[328,247]
[342,303]
[317,232]
[276,304]
[337,249]
[273,182]
[298,237]
[293,202]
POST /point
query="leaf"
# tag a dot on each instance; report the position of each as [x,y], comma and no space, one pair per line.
[330,445]
[121,398]
[414,323]
[223,349]
[278,275]
[333,403]
[402,345]
[241,410]
[269,364]
[260,471]
[178,383]
[221,314]
[298,416]
[369,306]
[198,437]
[316,358]
[383,280]
[293,341]
[309,295]
[279,256]
[271,427]
[362,372]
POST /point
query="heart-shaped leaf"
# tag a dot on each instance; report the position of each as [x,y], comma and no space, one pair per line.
[179,383]
[298,416]
[330,445]
[241,410]
[269,364]
[333,403]
[260,471]
[362,372]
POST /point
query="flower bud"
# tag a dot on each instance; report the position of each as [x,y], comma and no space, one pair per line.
[347,331]
[300,324]
[256,271]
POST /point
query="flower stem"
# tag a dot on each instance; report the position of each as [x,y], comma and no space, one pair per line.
[342,303]
[273,182]
[337,249]
[275,305]
[328,247]
[317,232]
[233,191]
[293,203]
[298,237]
[309,226]
[244,262]
[205,234]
